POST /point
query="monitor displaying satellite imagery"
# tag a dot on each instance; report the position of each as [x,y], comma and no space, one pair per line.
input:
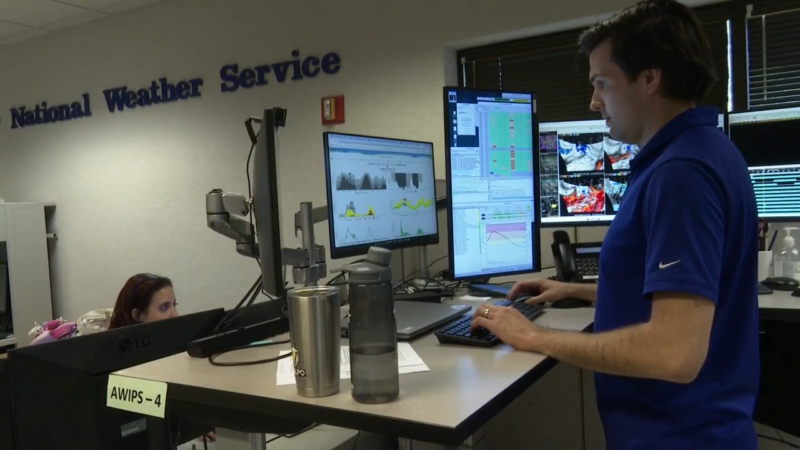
[583,172]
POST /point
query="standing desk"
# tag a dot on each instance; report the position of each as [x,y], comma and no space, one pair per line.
[779,305]
[779,335]
[465,388]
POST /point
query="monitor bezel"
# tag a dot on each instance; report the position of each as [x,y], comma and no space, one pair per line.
[338,252]
[536,225]
[751,111]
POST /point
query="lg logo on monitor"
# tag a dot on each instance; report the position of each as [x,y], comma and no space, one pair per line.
[128,345]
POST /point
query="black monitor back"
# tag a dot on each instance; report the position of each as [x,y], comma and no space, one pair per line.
[59,388]
[6,412]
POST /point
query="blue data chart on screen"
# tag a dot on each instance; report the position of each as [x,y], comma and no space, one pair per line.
[777,190]
[767,140]
[382,190]
[491,175]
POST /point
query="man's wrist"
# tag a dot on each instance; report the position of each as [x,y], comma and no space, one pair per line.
[539,340]
[583,291]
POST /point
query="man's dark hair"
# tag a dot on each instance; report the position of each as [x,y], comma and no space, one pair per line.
[658,34]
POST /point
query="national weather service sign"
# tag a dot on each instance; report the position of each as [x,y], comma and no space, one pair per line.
[162,91]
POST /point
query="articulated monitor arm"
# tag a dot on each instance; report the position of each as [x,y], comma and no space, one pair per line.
[308,262]
[220,209]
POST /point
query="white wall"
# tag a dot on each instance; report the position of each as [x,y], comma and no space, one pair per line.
[130,186]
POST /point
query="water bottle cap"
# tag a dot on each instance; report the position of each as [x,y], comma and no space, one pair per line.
[379,256]
[375,270]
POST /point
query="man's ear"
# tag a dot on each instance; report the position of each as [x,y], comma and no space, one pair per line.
[136,315]
[651,78]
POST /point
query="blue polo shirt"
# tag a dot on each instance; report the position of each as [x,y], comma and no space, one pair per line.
[687,223]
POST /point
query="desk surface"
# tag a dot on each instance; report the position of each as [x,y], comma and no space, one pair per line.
[465,387]
[778,300]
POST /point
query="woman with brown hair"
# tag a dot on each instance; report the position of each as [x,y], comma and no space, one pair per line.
[144,298]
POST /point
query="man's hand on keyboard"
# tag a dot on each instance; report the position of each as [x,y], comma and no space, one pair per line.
[541,290]
[507,323]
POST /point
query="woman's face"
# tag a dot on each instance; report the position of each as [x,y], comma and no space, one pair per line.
[162,306]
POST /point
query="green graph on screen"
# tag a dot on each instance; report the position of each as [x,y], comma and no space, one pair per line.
[510,130]
[509,162]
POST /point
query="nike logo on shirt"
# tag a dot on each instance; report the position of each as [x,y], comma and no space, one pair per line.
[661,265]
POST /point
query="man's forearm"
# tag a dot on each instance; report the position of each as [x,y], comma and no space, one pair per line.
[584,291]
[632,352]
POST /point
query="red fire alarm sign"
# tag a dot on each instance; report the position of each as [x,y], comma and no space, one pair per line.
[333,110]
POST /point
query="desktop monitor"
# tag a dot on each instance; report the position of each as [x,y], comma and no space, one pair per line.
[583,172]
[491,182]
[767,139]
[265,202]
[381,192]
[58,389]
[7,435]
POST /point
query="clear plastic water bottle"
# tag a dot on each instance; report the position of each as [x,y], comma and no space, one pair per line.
[373,329]
[787,262]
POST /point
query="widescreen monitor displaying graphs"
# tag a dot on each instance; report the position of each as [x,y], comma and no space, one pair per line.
[583,172]
[768,141]
[381,192]
[491,165]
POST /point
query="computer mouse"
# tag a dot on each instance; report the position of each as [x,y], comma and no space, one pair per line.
[569,303]
[796,293]
[781,283]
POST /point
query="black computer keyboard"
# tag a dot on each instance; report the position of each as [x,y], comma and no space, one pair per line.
[459,332]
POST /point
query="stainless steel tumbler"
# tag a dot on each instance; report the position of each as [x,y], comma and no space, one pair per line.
[315,330]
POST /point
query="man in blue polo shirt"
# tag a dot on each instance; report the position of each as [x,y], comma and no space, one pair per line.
[675,345]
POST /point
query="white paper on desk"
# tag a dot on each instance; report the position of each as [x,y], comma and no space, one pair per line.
[408,361]
[475,299]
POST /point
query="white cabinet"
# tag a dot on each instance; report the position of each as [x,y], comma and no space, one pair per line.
[24,228]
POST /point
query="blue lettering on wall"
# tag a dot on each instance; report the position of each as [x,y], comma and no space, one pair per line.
[162,91]
[22,117]
[159,91]
[296,69]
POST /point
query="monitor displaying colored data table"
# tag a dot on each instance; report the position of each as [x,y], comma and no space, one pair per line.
[491,170]
[381,192]
[768,141]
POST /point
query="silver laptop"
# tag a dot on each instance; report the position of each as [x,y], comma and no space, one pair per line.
[416,318]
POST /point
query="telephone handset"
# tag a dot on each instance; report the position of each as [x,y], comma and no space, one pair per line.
[576,263]
[564,258]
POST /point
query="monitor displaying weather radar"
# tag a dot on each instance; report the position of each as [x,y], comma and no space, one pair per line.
[381,192]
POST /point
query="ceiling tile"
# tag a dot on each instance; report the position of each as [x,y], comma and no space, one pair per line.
[86,17]
[36,13]
[7,29]
[90,4]
[24,36]
[125,6]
